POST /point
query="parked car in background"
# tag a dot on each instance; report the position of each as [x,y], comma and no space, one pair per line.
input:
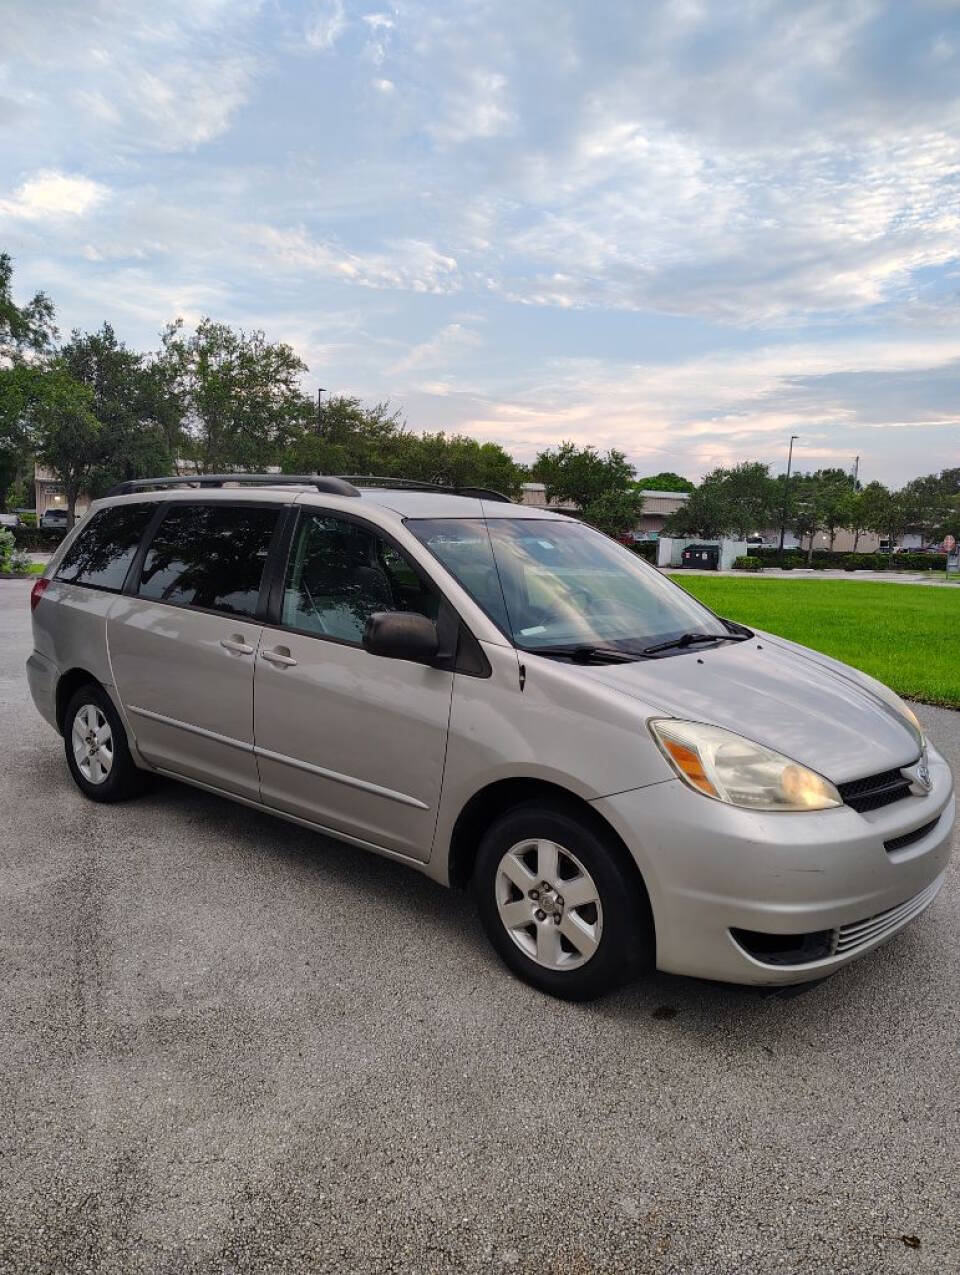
[11,521]
[505,699]
[54,519]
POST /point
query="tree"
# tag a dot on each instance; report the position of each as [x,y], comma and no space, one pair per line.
[601,486]
[614,512]
[750,496]
[67,433]
[805,513]
[581,474]
[740,499]
[347,438]
[27,333]
[240,392]
[131,441]
[834,495]
[666,481]
[706,514]
[927,500]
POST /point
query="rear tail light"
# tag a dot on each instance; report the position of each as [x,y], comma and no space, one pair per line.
[37,592]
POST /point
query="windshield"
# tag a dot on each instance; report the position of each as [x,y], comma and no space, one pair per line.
[548,583]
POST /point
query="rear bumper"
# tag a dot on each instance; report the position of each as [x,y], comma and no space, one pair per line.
[42,677]
[711,869]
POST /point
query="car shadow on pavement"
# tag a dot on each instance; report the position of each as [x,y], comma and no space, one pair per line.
[393,892]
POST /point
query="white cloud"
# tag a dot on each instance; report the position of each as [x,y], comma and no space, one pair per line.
[142,77]
[51,194]
[326,25]
[448,346]
[408,263]
[477,107]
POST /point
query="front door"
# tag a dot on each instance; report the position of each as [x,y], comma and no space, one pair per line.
[346,739]
[183,645]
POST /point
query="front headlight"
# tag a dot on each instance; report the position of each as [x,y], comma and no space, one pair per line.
[729,768]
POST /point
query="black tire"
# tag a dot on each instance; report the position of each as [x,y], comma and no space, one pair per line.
[625,944]
[123,780]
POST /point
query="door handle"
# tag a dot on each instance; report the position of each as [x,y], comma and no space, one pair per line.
[280,655]
[236,644]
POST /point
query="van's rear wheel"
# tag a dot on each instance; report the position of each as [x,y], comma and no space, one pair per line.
[96,747]
[559,903]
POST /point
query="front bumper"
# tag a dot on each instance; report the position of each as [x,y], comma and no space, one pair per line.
[711,869]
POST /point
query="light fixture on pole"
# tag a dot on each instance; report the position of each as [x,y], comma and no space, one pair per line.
[786,498]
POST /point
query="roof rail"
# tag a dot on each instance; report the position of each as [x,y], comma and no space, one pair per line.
[329,484]
[415,484]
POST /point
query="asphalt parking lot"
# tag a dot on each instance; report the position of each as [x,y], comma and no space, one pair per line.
[228,1045]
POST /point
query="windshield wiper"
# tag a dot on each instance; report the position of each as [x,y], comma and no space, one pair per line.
[688,639]
[588,654]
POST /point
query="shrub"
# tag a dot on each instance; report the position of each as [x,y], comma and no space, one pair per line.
[749,563]
[646,549]
[38,539]
[918,562]
[852,562]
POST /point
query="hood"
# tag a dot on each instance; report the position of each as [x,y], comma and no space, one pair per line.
[805,705]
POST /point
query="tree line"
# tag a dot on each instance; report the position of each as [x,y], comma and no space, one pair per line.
[219,399]
[745,498]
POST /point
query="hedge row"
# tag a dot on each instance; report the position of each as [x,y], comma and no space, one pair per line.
[834,560]
[38,539]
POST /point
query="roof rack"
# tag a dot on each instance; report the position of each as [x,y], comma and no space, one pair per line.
[334,485]
[414,484]
[325,483]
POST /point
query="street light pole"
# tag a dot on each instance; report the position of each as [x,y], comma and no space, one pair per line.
[786,497]
[319,429]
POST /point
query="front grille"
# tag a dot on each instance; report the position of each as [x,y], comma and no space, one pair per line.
[875,791]
[801,949]
[908,838]
[860,933]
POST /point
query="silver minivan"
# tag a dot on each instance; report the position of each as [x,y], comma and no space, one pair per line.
[508,701]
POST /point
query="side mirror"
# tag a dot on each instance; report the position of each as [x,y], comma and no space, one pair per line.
[401,635]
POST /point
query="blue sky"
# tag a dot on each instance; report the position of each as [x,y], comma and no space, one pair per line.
[683,229]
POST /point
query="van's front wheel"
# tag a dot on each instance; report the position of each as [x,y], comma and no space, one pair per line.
[560,905]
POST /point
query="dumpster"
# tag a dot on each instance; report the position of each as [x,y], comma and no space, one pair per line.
[703,557]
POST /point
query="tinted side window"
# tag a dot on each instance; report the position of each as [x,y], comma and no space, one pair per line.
[340,573]
[101,555]
[209,556]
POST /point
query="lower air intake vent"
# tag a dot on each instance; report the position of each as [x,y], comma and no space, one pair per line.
[909,838]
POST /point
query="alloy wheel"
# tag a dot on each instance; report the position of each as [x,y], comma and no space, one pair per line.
[549,904]
[92,741]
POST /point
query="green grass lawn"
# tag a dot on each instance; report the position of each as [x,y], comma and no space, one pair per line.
[905,635]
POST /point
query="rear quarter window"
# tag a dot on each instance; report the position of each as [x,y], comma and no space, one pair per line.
[103,551]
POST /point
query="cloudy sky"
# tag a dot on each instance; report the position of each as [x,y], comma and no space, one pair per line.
[686,229]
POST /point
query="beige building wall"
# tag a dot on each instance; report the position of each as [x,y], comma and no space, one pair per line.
[50,495]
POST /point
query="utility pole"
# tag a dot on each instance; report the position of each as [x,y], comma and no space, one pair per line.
[786,498]
[320,393]
[856,471]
